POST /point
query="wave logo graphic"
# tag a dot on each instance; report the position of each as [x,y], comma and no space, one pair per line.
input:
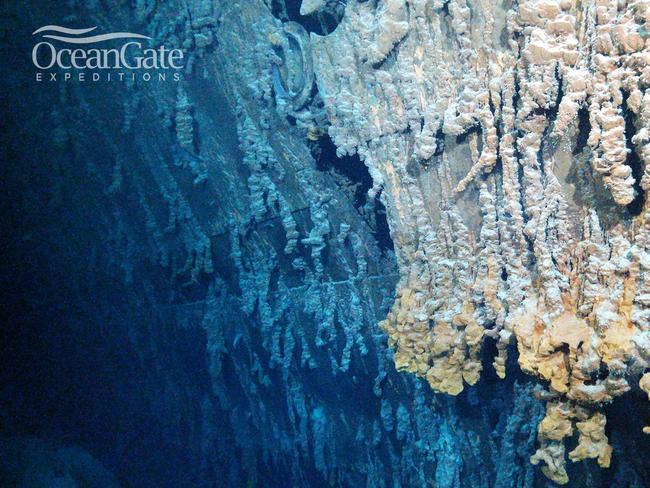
[69,50]
[83,40]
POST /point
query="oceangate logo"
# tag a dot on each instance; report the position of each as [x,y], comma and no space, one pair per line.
[57,60]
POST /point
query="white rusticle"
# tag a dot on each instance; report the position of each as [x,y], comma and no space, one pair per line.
[500,141]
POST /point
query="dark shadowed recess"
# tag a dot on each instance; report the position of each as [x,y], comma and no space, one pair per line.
[354,171]
[636,206]
[583,131]
[321,23]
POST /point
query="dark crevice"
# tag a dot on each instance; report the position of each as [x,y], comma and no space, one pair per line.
[635,207]
[522,203]
[321,23]
[350,171]
[554,108]
[551,116]
[476,129]
[504,274]
[516,97]
[277,9]
[584,128]
[351,167]
[440,143]
[382,231]
[391,57]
